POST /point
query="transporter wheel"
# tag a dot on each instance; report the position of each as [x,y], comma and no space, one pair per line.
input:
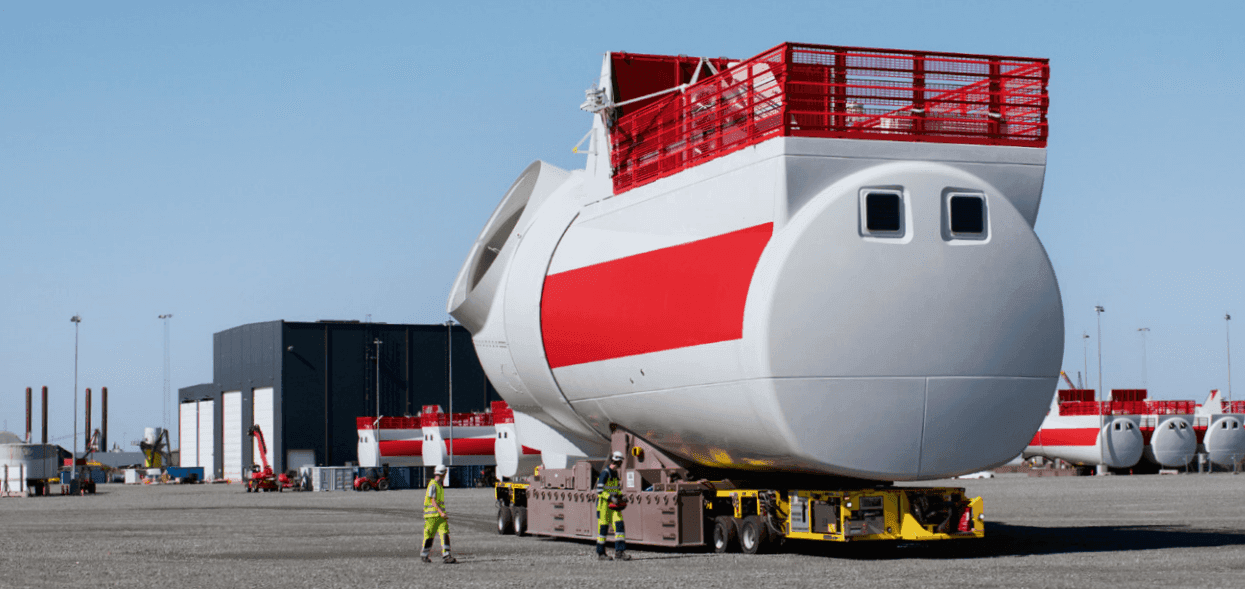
[383,485]
[753,535]
[520,520]
[505,521]
[724,539]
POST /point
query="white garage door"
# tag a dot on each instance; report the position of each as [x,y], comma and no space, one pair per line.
[188,433]
[207,438]
[262,413]
[232,434]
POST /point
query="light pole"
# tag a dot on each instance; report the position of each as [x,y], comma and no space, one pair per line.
[1227,328]
[449,362]
[167,382]
[73,463]
[1143,331]
[1085,354]
[1101,420]
[378,343]
[1099,310]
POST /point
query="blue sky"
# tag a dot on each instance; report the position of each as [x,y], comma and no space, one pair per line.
[238,162]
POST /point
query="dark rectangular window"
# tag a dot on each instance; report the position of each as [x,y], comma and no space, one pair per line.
[968,214]
[882,212]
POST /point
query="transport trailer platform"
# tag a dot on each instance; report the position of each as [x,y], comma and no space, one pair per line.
[665,508]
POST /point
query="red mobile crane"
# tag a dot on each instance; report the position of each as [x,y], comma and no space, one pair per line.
[263,480]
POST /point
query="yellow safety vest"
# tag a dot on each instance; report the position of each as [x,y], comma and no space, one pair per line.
[435,497]
[612,485]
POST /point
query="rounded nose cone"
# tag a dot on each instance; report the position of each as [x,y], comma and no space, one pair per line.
[1173,443]
[1225,441]
[1122,444]
[917,354]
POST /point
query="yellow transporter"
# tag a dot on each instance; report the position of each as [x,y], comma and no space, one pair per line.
[665,508]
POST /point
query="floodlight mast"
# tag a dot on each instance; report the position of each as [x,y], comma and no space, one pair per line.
[73,463]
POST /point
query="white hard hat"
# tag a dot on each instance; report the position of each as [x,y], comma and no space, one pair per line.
[617,456]
[439,470]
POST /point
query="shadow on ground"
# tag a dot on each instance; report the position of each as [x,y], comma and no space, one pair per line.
[1011,540]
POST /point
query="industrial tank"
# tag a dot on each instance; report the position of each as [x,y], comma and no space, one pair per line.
[856,295]
[23,465]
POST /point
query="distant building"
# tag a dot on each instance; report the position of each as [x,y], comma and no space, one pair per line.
[305,383]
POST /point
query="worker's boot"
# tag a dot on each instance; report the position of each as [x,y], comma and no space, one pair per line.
[622,555]
[425,558]
[603,556]
[447,559]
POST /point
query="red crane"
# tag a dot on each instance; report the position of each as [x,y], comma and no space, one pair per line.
[262,480]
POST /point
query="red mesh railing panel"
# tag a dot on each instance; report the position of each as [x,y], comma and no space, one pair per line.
[1128,394]
[388,422]
[1127,408]
[820,91]
[436,418]
[1074,395]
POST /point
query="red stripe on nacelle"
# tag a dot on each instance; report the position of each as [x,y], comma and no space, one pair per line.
[1066,437]
[675,297]
[401,447]
[471,446]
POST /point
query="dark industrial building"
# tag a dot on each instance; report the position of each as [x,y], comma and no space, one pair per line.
[305,384]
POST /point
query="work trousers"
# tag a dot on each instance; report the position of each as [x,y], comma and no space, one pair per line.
[605,518]
[434,526]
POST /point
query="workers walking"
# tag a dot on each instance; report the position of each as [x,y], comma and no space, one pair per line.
[435,520]
[610,504]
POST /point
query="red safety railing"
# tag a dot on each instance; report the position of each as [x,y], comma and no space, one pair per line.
[388,422]
[432,416]
[1127,408]
[821,91]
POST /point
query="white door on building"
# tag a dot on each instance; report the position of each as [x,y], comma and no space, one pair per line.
[262,413]
[188,433]
[232,435]
[207,438]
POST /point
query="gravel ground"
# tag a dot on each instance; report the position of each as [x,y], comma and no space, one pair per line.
[1177,531]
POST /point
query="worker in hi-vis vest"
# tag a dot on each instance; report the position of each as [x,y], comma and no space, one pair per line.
[610,504]
[435,520]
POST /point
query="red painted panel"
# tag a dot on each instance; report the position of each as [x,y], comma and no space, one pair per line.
[1087,436]
[527,450]
[401,447]
[471,446]
[675,297]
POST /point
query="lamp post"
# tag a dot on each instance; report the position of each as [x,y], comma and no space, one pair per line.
[378,343]
[1143,331]
[1085,355]
[1227,329]
[449,362]
[73,463]
[167,382]
[1101,420]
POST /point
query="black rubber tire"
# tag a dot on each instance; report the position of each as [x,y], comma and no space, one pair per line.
[753,535]
[724,536]
[383,485]
[520,520]
[505,520]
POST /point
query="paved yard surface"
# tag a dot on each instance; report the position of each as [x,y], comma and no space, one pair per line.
[1144,531]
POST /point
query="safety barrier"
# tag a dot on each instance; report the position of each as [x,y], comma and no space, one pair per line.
[796,90]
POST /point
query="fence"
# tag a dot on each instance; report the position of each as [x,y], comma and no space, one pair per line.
[838,92]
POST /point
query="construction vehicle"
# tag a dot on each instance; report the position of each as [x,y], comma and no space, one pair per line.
[665,504]
[263,479]
[370,480]
[789,288]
